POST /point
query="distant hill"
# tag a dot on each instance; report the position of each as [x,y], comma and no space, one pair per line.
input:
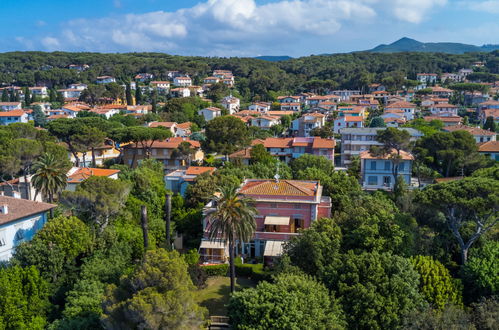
[411,45]
[274,58]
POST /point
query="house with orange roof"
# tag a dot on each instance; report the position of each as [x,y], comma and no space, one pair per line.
[161,86]
[394,121]
[408,109]
[211,80]
[288,99]
[284,208]
[484,114]
[348,121]
[306,123]
[177,181]
[291,106]
[427,78]
[441,91]
[180,92]
[169,125]
[231,103]
[77,175]
[480,135]
[108,113]
[182,81]
[70,93]
[164,151]
[376,88]
[444,109]
[7,106]
[264,121]
[287,149]
[490,149]
[210,113]
[13,116]
[377,170]
[183,129]
[260,106]
[447,120]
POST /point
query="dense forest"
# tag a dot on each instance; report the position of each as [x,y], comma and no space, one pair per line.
[254,77]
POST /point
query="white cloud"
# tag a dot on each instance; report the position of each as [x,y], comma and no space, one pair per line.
[224,27]
[415,11]
[51,43]
[490,6]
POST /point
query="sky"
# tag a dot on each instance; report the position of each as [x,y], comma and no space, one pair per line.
[241,27]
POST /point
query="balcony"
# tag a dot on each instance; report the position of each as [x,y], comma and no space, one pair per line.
[278,236]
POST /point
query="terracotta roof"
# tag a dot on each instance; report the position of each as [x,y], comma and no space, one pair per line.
[401,104]
[167,124]
[196,170]
[394,119]
[353,118]
[170,143]
[449,179]
[159,82]
[490,102]
[20,208]
[83,173]
[454,119]
[367,155]
[487,112]
[444,105]
[490,146]
[185,125]
[12,113]
[280,113]
[320,143]
[245,153]
[441,89]
[280,188]
[9,103]
[57,116]
[471,130]
[214,109]
[313,142]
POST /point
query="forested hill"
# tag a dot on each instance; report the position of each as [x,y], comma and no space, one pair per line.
[253,76]
[411,45]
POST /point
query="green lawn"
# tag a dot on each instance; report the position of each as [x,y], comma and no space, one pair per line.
[216,294]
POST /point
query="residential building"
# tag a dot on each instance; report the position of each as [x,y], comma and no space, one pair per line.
[160,86]
[77,175]
[177,181]
[20,220]
[103,153]
[70,93]
[377,171]
[290,106]
[210,113]
[180,92]
[347,121]
[345,94]
[480,135]
[306,123]
[454,77]
[182,81]
[447,120]
[408,109]
[260,106]
[211,80]
[13,116]
[142,77]
[108,113]
[79,67]
[356,140]
[427,78]
[284,207]
[40,91]
[287,149]
[444,109]
[442,92]
[105,80]
[7,106]
[490,149]
[183,129]
[376,88]
[264,121]
[231,103]
[78,86]
[163,151]
[169,125]
[484,114]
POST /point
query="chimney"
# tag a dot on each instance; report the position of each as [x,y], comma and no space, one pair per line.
[4,209]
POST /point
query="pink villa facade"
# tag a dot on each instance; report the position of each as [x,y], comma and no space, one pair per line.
[283,208]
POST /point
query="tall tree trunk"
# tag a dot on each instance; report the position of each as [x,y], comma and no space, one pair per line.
[84,155]
[143,219]
[134,157]
[232,267]
[93,156]
[26,185]
[168,214]
[51,200]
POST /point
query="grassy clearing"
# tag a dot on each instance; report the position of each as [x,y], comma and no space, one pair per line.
[216,294]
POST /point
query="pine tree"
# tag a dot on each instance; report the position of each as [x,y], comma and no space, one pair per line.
[138,95]
[490,124]
[5,95]
[128,93]
[27,97]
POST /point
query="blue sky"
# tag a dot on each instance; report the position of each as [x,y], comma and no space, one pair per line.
[241,27]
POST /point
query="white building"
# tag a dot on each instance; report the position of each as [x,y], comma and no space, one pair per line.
[13,116]
[444,109]
[105,80]
[231,103]
[408,109]
[161,86]
[260,106]
[70,92]
[39,91]
[20,219]
[265,122]
[7,106]
[210,113]
[180,92]
[427,78]
[182,81]
[80,87]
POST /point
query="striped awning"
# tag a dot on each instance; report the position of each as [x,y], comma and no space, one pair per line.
[278,221]
[273,248]
[206,244]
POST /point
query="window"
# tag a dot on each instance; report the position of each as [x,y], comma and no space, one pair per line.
[372,180]
[19,234]
[402,166]
[298,221]
[387,165]
[373,164]
[387,181]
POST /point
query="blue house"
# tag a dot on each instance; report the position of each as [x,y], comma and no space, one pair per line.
[377,171]
[20,219]
[178,181]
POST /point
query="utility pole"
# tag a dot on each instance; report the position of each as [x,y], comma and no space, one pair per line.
[143,219]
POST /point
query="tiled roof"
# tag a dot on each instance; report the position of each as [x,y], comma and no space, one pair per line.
[167,124]
[185,125]
[84,173]
[2,104]
[444,105]
[401,104]
[491,146]
[471,130]
[453,119]
[11,113]
[354,118]
[20,208]
[214,109]
[196,170]
[367,155]
[170,143]
[280,188]
[245,153]
[441,89]
[313,142]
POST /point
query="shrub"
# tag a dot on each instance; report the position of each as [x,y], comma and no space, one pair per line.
[216,270]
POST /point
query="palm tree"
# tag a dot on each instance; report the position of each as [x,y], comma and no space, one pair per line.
[232,219]
[49,176]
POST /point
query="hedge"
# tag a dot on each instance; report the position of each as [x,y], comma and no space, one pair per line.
[216,270]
